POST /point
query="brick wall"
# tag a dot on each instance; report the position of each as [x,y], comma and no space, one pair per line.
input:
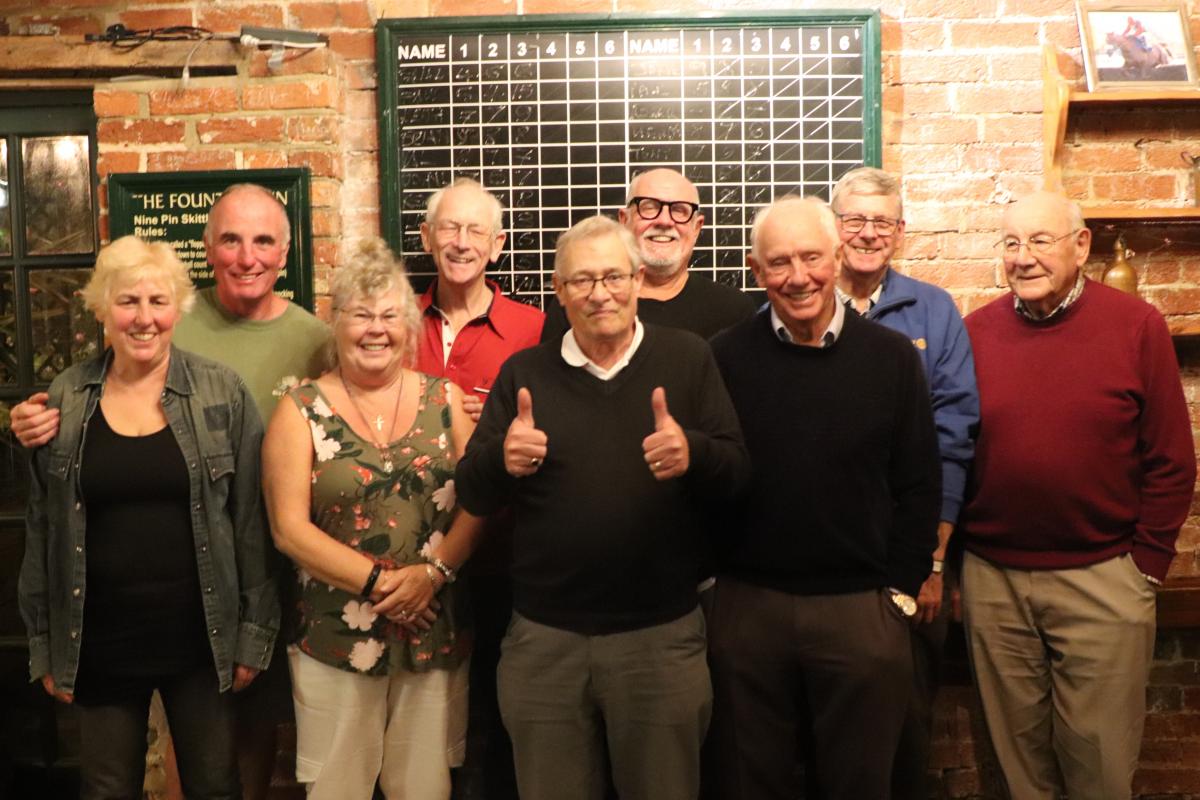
[962,125]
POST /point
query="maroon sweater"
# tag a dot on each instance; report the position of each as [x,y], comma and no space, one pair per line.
[1085,446]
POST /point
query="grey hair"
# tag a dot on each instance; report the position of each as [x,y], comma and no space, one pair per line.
[129,260]
[866,181]
[256,189]
[435,201]
[594,228]
[825,217]
[371,270]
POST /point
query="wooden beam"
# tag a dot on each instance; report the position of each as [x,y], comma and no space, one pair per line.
[71,57]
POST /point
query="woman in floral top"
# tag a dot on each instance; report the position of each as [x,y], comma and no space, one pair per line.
[358,471]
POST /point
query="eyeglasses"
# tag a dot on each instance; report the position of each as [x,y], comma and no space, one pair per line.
[853,223]
[680,211]
[450,230]
[361,318]
[583,285]
[1040,243]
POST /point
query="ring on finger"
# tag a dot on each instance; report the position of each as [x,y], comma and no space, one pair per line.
[533,462]
[656,466]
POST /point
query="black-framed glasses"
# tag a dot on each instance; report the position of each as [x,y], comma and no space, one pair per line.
[680,211]
[853,223]
[1039,243]
[583,285]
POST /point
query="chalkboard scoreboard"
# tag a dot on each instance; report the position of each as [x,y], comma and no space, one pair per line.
[173,207]
[556,114]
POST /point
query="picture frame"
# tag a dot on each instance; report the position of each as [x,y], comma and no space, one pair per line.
[1128,45]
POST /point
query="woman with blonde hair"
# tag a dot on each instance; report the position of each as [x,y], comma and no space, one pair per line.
[146,550]
[358,474]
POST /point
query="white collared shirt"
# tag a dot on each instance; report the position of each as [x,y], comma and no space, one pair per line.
[827,338]
[573,355]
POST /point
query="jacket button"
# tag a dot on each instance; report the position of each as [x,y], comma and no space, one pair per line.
[78,506]
[196,507]
[192,464]
[78,549]
[215,631]
[74,634]
[203,548]
[76,592]
[208,589]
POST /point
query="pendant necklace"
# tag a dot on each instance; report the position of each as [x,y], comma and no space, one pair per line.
[385,450]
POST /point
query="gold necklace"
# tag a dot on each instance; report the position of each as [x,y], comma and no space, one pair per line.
[384,448]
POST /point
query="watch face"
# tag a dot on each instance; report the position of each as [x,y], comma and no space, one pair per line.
[905,603]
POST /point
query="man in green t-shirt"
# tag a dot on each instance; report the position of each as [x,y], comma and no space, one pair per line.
[270,343]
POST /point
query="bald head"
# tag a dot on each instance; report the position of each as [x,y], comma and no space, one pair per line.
[666,243]
[1045,246]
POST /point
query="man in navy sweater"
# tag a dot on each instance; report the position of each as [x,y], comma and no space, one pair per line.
[609,445]
[810,628]
[871,223]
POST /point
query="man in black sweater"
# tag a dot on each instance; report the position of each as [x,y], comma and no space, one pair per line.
[610,444]
[809,633]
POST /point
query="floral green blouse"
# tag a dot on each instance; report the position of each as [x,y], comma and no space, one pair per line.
[393,504]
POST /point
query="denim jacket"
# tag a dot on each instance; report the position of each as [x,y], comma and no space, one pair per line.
[219,432]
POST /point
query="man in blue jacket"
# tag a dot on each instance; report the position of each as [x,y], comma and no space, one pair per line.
[871,223]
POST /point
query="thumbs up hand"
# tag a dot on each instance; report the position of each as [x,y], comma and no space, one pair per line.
[667,448]
[524,444]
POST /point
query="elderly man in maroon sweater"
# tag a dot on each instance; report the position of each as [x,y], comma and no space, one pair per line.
[1084,471]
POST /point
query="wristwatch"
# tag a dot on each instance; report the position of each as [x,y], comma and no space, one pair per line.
[904,602]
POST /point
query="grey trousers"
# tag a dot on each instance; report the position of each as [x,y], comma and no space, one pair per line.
[643,696]
[1061,659]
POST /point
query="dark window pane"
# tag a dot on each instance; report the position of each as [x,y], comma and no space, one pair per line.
[8,329]
[5,214]
[64,331]
[58,195]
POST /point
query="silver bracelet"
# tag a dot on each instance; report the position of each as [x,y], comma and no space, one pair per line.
[444,568]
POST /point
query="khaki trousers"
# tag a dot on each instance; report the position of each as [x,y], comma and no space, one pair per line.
[1061,659]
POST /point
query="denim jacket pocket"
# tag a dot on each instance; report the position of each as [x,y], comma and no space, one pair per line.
[58,466]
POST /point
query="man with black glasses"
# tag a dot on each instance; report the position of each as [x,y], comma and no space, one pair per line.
[663,213]
[609,444]
[871,226]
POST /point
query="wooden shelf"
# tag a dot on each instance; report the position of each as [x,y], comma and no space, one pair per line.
[1144,214]
[1058,95]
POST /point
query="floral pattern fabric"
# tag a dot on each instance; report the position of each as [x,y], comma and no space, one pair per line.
[396,517]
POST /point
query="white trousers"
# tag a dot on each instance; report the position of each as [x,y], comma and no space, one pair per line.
[407,730]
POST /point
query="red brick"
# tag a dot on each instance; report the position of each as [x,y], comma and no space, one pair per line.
[1158,155]
[935,68]
[223,130]
[264,159]
[912,36]
[1009,35]
[326,223]
[231,19]
[319,93]
[361,135]
[919,246]
[353,45]
[1064,32]
[930,98]
[992,98]
[1177,301]
[318,61]
[956,274]
[361,105]
[361,195]
[576,6]
[1134,187]
[140,131]
[937,130]
[322,163]
[950,9]
[1097,157]
[362,223]
[178,161]
[192,101]
[979,245]
[1018,128]
[1038,8]
[316,16]
[1154,780]
[156,18]
[1002,158]
[325,252]
[111,161]
[464,8]
[1015,66]
[116,104]
[909,159]
[313,129]
[324,193]
[939,188]
[361,76]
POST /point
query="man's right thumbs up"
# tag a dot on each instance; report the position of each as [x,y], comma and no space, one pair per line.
[524,444]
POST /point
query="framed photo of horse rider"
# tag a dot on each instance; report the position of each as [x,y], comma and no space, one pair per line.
[1136,44]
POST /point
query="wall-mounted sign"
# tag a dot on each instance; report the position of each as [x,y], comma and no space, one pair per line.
[555,114]
[173,207]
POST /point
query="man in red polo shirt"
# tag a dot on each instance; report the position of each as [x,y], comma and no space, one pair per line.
[469,330]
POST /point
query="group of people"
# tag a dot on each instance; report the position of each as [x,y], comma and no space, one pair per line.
[701,541]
